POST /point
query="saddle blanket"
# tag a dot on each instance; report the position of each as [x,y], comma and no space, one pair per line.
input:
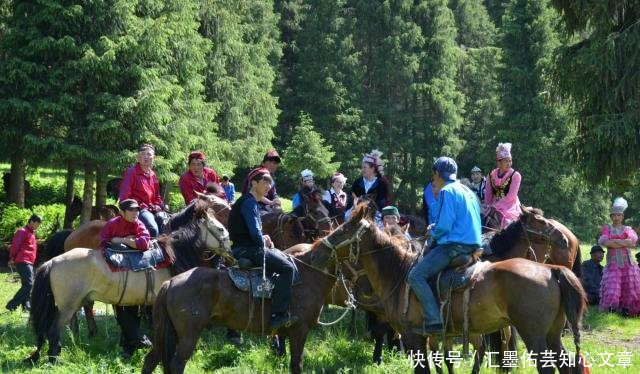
[252,279]
[124,258]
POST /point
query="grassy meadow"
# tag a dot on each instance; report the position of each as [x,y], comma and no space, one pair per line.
[605,339]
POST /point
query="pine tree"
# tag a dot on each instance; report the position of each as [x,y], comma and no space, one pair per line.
[241,73]
[308,150]
[598,73]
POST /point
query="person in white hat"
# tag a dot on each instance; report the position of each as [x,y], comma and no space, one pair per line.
[306,183]
[620,286]
[335,196]
[478,183]
[501,194]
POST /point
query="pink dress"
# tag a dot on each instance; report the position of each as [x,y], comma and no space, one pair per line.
[620,285]
[502,194]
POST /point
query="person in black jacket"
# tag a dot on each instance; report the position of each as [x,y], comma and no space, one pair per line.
[372,182]
[592,275]
[245,231]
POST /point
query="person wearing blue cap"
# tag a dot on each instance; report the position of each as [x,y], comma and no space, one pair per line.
[456,231]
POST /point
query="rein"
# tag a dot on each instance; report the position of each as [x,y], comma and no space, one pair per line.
[352,257]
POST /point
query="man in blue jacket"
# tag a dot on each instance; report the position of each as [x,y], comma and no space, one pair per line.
[457,230]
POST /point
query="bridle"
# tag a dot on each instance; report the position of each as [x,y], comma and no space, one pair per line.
[226,255]
[545,234]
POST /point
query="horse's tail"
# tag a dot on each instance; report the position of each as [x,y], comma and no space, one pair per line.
[577,264]
[43,306]
[574,302]
[55,244]
[164,340]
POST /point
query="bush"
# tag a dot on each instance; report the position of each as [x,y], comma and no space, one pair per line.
[46,191]
[14,217]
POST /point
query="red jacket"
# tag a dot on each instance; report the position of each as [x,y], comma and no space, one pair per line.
[189,184]
[24,246]
[120,227]
[140,186]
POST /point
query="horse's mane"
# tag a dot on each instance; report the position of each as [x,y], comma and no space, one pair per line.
[182,217]
[504,239]
[393,253]
[184,247]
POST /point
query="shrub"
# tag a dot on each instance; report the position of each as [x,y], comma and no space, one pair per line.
[46,191]
[14,217]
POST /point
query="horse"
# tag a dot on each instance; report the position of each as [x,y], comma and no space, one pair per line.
[88,236]
[285,231]
[63,283]
[535,298]
[191,301]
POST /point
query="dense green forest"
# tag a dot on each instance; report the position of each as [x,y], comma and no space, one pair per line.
[83,83]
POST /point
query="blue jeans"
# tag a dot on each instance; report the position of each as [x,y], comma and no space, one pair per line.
[152,222]
[434,262]
[23,296]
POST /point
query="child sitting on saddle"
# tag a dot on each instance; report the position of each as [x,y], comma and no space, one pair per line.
[249,244]
[127,231]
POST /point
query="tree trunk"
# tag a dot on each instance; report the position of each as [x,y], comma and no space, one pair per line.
[69,195]
[165,188]
[87,196]
[16,185]
[101,187]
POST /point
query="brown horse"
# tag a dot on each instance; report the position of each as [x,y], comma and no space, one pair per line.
[88,236]
[287,230]
[191,301]
[535,298]
[63,283]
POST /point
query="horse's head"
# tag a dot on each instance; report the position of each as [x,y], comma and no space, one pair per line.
[338,245]
[541,230]
[214,235]
[220,206]
[317,218]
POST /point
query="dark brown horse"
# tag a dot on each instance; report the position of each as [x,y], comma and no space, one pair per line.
[191,301]
[287,230]
[535,298]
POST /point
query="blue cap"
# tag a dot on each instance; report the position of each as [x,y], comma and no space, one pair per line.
[446,167]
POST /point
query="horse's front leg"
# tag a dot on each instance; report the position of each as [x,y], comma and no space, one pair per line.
[297,339]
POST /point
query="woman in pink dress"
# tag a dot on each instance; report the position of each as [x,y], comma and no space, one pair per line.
[620,285]
[503,185]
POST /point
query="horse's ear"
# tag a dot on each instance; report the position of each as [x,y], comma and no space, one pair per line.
[405,228]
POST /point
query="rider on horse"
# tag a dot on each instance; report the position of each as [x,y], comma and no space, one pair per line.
[245,230]
[501,194]
[140,183]
[127,231]
[456,231]
[270,201]
[197,178]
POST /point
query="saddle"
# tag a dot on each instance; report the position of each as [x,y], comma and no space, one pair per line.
[245,277]
[457,275]
[120,257]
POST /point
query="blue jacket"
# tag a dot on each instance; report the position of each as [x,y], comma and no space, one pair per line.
[245,226]
[429,204]
[458,216]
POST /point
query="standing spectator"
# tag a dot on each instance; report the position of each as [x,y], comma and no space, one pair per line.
[501,196]
[22,254]
[229,189]
[140,183]
[620,286]
[429,199]
[197,178]
[478,183]
[592,275]
[270,201]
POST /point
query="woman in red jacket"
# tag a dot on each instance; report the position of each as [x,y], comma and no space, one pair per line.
[22,254]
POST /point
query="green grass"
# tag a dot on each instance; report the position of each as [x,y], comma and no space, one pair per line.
[328,350]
